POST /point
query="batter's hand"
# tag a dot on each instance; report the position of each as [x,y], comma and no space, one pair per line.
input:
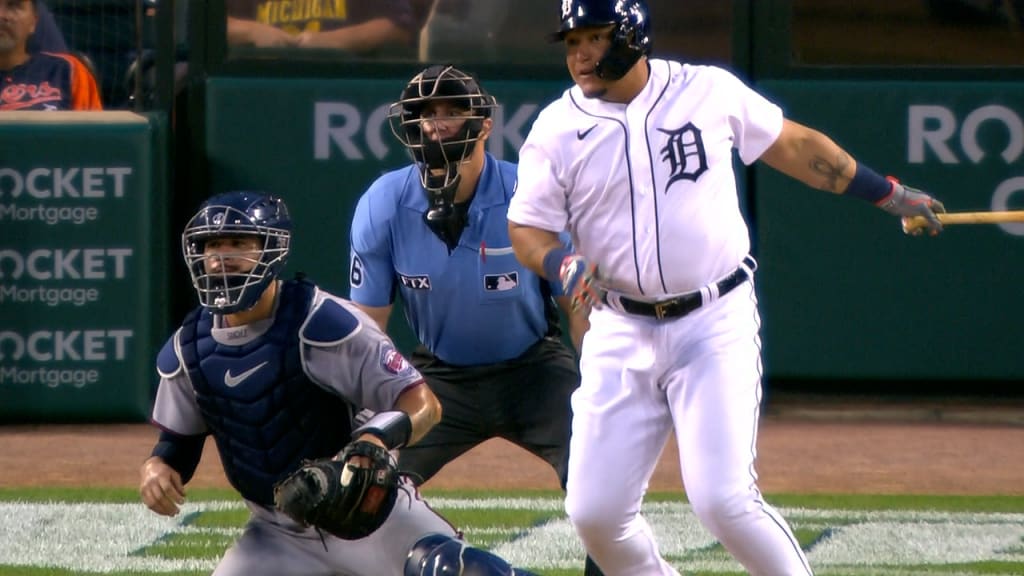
[161,488]
[907,202]
[579,282]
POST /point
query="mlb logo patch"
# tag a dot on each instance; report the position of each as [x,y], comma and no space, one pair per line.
[393,361]
[501,282]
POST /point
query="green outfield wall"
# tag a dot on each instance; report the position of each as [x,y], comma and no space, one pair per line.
[845,294]
[82,264]
[91,282]
[320,143]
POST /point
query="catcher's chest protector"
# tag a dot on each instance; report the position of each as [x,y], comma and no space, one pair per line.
[265,414]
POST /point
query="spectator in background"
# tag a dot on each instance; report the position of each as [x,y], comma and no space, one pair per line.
[47,37]
[38,81]
[366,28]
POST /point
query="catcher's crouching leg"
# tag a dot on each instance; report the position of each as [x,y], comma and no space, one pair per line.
[440,555]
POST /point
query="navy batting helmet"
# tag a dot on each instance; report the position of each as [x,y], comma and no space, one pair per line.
[232,214]
[631,37]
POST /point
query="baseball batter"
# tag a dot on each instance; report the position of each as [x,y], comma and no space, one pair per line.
[635,160]
[273,370]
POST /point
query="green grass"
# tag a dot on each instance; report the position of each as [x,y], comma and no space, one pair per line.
[1010,504]
[207,532]
[994,503]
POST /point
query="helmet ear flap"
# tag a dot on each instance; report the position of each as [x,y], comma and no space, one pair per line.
[626,48]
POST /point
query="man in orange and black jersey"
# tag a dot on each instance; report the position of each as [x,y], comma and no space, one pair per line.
[40,80]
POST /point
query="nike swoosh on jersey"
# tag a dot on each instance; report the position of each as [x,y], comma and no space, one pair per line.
[581,134]
[232,381]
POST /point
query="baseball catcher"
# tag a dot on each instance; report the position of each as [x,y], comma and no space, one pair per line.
[278,392]
[351,494]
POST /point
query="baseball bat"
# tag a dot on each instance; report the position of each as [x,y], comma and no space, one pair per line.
[947,218]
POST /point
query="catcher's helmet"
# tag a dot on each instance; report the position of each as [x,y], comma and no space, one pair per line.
[631,37]
[406,118]
[237,214]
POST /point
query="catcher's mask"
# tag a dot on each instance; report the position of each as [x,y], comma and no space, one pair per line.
[238,285]
[631,37]
[439,155]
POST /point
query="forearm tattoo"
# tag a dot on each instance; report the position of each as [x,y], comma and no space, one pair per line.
[832,172]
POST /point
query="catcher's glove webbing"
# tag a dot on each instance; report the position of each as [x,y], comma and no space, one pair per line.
[338,496]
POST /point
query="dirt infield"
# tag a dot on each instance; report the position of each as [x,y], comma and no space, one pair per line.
[806,446]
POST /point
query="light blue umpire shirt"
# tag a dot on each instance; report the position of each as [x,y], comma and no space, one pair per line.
[476,305]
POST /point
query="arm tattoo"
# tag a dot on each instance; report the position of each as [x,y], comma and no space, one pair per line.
[831,172]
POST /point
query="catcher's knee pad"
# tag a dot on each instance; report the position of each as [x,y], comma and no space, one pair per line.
[440,555]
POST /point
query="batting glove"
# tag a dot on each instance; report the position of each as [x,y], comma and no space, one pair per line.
[579,281]
[908,202]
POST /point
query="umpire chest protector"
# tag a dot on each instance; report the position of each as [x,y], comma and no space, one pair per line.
[263,411]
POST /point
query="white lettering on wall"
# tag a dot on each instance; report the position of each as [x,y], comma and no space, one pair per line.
[933,129]
[339,127]
[64,182]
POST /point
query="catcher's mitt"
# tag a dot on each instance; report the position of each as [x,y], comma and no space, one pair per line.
[340,497]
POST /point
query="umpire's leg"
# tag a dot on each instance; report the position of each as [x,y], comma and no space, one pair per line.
[461,427]
[535,392]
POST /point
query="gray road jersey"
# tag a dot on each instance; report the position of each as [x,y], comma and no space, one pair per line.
[361,366]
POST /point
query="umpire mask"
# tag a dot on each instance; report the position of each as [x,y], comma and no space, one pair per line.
[439,119]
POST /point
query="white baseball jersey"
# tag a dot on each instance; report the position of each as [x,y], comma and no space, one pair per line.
[647,189]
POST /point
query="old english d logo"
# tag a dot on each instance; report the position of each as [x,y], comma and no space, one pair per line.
[684,153]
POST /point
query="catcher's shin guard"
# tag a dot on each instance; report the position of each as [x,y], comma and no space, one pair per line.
[440,555]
